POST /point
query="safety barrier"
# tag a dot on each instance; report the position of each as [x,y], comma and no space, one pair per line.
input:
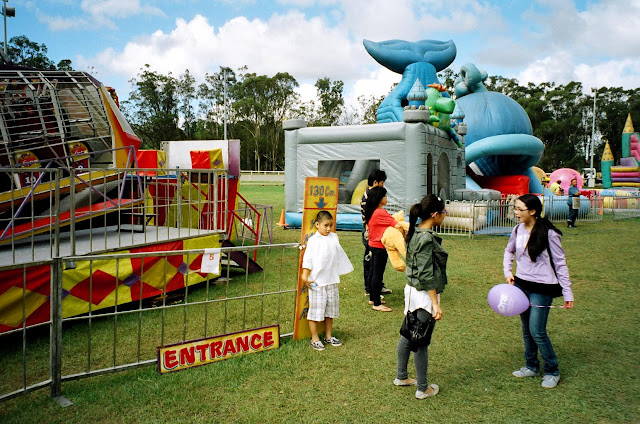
[126,335]
[106,208]
[623,207]
[497,217]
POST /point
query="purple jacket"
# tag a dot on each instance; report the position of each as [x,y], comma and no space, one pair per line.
[540,271]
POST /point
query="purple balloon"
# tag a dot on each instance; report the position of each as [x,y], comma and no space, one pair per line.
[507,300]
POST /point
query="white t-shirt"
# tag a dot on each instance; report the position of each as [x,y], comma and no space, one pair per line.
[416,299]
[326,259]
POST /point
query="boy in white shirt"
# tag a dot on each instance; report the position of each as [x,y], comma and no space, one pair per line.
[323,262]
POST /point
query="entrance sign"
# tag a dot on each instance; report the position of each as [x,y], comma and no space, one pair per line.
[180,356]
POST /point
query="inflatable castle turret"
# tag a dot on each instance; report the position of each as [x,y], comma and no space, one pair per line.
[627,173]
[606,163]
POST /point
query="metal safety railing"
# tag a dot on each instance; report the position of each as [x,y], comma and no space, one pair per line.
[99,209]
[497,217]
[622,207]
[101,318]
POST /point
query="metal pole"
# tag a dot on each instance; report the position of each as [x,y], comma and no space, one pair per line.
[225,101]
[4,13]
[593,125]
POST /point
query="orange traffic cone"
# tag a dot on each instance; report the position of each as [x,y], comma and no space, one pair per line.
[282,222]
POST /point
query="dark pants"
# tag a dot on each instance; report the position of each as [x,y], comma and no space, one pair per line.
[366,264]
[573,214]
[376,274]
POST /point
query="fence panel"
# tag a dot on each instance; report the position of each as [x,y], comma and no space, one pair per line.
[24,346]
[556,209]
[127,334]
[106,208]
[623,207]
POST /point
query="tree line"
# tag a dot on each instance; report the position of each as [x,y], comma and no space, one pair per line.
[251,107]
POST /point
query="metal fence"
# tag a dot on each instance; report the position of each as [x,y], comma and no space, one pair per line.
[73,346]
[497,217]
[102,209]
[626,207]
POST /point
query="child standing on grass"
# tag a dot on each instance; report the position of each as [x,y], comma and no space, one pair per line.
[323,262]
[377,221]
[541,273]
[426,278]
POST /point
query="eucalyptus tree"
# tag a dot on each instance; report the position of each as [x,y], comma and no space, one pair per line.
[153,108]
[261,103]
[186,93]
[24,52]
[331,101]
[211,97]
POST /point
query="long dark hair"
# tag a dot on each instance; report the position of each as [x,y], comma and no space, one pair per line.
[374,198]
[423,210]
[539,238]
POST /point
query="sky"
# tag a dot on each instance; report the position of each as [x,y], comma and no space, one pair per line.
[595,42]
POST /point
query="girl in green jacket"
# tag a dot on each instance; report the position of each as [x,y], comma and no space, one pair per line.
[426,278]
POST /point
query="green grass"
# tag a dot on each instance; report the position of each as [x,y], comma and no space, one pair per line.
[472,354]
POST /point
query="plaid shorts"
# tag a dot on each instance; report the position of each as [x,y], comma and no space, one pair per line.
[324,302]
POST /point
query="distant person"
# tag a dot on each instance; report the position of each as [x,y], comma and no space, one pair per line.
[426,278]
[542,274]
[377,220]
[323,262]
[376,179]
[553,187]
[574,203]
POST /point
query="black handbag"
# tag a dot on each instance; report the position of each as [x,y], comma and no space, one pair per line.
[416,331]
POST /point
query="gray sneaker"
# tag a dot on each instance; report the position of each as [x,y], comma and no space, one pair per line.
[525,372]
[550,381]
[317,345]
[386,290]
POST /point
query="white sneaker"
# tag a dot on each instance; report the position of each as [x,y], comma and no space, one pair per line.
[423,395]
[550,381]
[525,372]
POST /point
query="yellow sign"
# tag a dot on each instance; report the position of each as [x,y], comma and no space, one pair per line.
[179,356]
[320,194]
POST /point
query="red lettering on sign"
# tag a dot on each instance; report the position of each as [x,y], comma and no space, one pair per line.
[228,347]
[215,349]
[243,343]
[187,355]
[170,361]
[202,350]
[268,339]
[255,341]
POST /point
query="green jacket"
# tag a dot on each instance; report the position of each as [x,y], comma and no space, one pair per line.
[426,262]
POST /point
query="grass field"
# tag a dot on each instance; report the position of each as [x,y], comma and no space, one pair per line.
[472,354]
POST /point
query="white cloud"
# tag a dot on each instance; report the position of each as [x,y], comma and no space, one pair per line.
[118,8]
[307,92]
[306,48]
[377,83]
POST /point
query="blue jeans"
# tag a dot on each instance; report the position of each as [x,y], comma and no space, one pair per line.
[534,335]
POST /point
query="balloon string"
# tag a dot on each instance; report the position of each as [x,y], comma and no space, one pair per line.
[542,306]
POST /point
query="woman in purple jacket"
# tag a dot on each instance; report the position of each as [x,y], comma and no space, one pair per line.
[542,274]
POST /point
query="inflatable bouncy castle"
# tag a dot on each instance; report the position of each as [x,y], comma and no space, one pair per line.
[627,173]
[478,147]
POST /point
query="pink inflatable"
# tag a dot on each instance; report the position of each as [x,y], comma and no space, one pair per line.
[565,175]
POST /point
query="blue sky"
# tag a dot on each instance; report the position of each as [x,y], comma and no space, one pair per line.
[594,42]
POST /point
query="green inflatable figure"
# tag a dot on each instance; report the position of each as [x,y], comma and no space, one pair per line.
[440,109]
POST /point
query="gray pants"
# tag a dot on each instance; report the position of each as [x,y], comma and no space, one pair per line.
[420,359]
